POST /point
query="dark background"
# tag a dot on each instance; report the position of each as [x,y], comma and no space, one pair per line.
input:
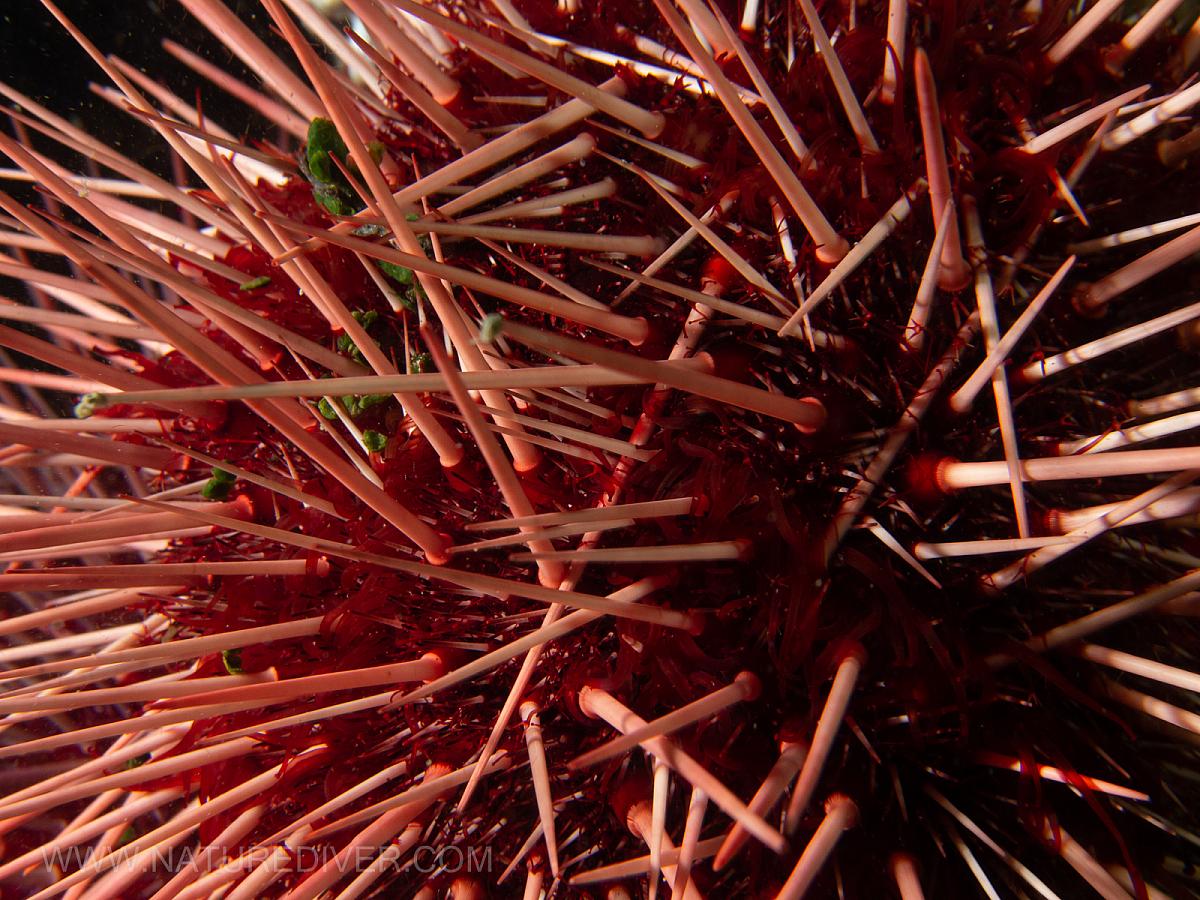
[40,59]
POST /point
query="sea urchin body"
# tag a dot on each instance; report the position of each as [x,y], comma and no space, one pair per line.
[567,450]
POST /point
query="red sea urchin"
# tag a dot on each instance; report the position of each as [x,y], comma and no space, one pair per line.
[548,454]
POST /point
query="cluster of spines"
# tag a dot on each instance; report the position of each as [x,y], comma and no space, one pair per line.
[366,503]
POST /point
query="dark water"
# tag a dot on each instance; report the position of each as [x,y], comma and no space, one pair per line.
[40,59]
